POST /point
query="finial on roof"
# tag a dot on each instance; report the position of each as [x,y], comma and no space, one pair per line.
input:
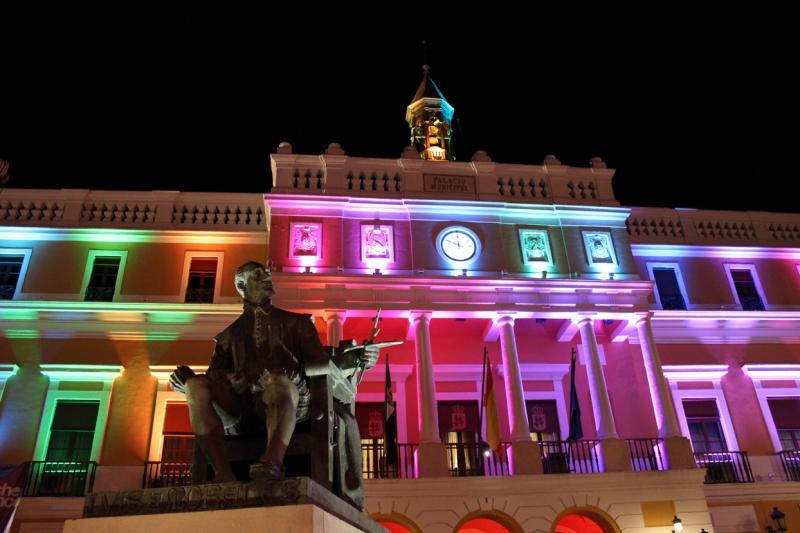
[426,70]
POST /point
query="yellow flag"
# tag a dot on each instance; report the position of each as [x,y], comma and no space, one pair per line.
[492,419]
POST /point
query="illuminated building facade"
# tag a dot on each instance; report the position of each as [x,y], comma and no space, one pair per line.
[685,323]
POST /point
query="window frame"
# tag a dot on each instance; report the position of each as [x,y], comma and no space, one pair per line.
[55,395]
[780,373]
[187,265]
[756,281]
[26,258]
[716,393]
[87,273]
[678,275]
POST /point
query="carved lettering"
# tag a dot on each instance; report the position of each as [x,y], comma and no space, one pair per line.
[449,184]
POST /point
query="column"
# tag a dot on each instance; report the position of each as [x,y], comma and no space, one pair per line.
[614,452]
[678,450]
[335,322]
[130,417]
[431,455]
[525,454]
[20,413]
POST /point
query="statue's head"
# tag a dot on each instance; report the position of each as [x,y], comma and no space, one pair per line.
[254,282]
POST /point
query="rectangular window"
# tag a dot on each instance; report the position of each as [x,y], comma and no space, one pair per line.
[669,291]
[705,429]
[786,415]
[460,431]
[202,279]
[178,436]
[10,269]
[746,289]
[369,416]
[103,279]
[543,420]
[72,431]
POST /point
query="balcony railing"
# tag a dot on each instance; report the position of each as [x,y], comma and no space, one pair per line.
[199,296]
[49,478]
[468,459]
[374,465]
[725,467]
[672,302]
[791,464]
[164,474]
[564,457]
[646,454]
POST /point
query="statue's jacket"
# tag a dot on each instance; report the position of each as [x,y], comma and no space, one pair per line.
[268,340]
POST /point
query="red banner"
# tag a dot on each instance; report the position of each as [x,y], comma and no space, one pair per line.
[10,493]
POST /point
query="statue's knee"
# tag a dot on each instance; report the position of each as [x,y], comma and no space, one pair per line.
[280,389]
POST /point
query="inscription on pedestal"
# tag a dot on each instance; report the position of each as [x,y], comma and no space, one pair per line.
[210,496]
[221,496]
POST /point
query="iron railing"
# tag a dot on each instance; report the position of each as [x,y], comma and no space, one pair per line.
[564,457]
[468,459]
[199,296]
[374,465]
[790,460]
[751,303]
[672,302]
[166,474]
[52,478]
[99,294]
[646,454]
[725,467]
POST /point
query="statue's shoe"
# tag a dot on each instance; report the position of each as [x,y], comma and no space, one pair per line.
[269,470]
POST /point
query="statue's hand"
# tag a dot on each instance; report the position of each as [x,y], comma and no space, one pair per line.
[238,382]
[369,355]
[179,377]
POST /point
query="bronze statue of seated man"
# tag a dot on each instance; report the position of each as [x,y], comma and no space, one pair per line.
[258,367]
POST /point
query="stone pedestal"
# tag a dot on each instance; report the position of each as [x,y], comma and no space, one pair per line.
[616,455]
[432,459]
[295,504]
[678,451]
[290,518]
[526,458]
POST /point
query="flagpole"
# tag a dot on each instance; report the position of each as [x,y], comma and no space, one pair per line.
[483,386]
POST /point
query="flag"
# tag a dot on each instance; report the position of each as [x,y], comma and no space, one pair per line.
[490,404]
[575,429]
[389,420]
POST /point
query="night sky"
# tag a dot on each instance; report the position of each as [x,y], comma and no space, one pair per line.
[696,106]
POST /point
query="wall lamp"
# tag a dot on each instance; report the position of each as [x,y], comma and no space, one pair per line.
[677,525]
[780,521]
[485,449]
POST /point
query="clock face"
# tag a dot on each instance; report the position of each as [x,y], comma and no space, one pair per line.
[458,245]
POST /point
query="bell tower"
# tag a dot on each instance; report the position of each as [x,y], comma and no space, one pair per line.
[430,119]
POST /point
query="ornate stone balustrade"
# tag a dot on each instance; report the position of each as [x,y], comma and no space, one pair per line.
[132,209]
[702,227]
[336,174]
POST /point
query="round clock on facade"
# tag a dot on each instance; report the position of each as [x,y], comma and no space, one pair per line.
[458,243]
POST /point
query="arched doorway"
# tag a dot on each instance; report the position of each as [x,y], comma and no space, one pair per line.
[488,522]
[394,527]
[483,525]
[584,521]
[395,523]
